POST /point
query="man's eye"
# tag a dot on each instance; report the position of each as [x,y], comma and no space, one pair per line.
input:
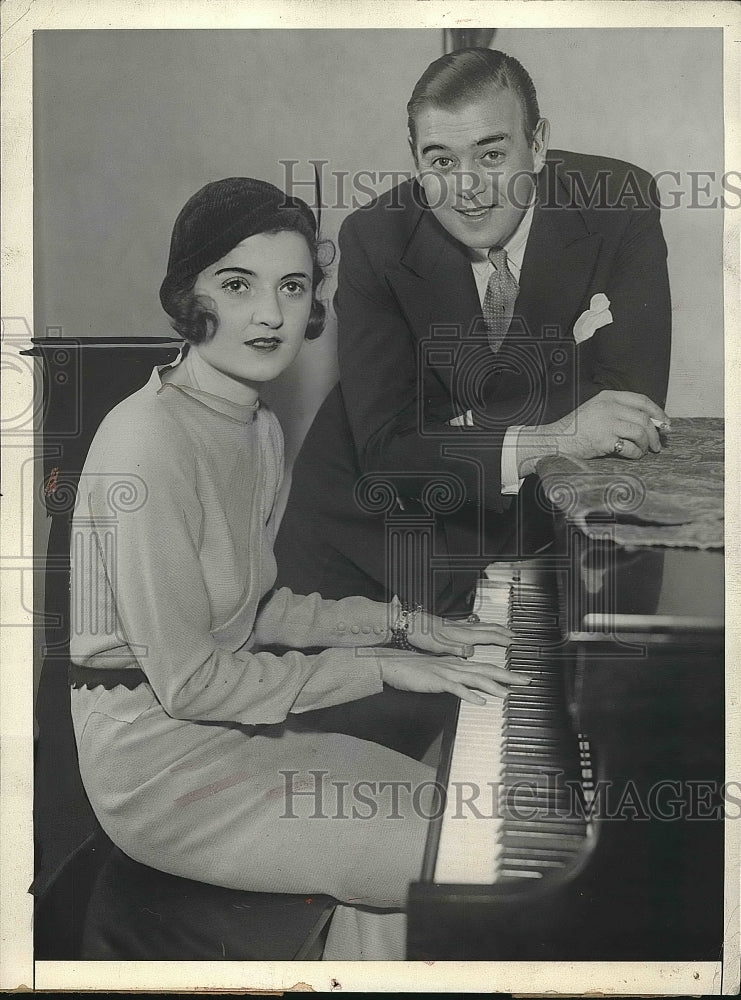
[442,162]
[493,155]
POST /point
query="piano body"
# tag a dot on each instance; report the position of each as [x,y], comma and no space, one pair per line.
[603,839]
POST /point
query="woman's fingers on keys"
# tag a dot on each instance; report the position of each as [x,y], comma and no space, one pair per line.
[491,672]
[475,697]
[441,645]
[475,635]
[454,643]
[479,632]
[487,685]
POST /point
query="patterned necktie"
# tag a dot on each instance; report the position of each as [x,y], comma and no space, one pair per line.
[499,301]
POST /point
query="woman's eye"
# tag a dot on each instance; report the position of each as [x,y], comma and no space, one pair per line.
[235,285]
[293,287]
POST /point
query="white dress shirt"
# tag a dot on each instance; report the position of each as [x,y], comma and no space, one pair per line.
[482,269]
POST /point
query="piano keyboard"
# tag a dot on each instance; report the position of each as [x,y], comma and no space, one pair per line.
[507,812]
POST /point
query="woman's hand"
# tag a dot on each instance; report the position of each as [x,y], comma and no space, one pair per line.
[435,674]
[436,635]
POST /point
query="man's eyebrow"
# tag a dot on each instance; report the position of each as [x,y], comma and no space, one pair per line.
[496,137]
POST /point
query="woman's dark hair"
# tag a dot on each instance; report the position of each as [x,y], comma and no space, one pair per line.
[195,317]
[467,73]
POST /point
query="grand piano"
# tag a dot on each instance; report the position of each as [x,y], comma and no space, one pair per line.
[584,814]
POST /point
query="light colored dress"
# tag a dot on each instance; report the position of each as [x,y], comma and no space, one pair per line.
[206,771]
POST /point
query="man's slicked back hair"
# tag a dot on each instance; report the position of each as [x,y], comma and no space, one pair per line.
[467,74]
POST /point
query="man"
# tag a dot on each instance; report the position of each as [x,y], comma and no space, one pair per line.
[505,304]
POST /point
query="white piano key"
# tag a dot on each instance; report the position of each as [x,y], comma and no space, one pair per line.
[468,849]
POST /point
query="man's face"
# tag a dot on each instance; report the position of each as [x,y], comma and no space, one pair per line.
[477,167]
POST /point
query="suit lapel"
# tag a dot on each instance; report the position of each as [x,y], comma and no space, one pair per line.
[559,261]
[435,287]
[435,281]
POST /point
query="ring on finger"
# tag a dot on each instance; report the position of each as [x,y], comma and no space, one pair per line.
[618,446]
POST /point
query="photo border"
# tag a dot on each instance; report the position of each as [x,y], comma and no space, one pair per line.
[20,18]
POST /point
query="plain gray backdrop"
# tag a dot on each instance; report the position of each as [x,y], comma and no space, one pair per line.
[129,124]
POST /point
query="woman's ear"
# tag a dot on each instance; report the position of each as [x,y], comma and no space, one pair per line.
[317,319]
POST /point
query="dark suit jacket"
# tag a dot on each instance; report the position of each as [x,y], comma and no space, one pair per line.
[413,355]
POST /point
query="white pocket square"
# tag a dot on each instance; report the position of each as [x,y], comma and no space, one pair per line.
[462,420]
[596,316]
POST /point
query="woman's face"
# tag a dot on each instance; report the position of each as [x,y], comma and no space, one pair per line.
[262,291]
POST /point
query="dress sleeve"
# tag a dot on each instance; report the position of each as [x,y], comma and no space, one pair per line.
[160,605]
[288,619]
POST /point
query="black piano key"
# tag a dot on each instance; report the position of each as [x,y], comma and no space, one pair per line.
[527,735]
[523,837]
[535,698]
[537,852]
[540,711]
[511,807]
[525,756]
[515,859]
[546,821]
[538,706]
[535,743]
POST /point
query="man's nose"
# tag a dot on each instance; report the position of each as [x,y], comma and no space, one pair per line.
[471,183]
[267,310]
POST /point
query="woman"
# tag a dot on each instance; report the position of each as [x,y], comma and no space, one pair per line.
[188,726]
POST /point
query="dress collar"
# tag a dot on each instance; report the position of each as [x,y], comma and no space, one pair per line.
[182,374]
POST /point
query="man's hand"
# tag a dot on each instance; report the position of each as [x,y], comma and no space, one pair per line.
[593,429]
[435,674]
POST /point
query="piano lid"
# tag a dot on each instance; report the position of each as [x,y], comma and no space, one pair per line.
[612,589]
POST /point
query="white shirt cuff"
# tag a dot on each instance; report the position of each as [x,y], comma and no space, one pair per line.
[511,482]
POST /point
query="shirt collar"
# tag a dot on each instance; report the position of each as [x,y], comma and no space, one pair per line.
[515,245]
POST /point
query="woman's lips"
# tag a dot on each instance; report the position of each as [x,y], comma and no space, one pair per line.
[264,344]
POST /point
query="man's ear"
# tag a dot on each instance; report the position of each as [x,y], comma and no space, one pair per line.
[539,145]
[414,154]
